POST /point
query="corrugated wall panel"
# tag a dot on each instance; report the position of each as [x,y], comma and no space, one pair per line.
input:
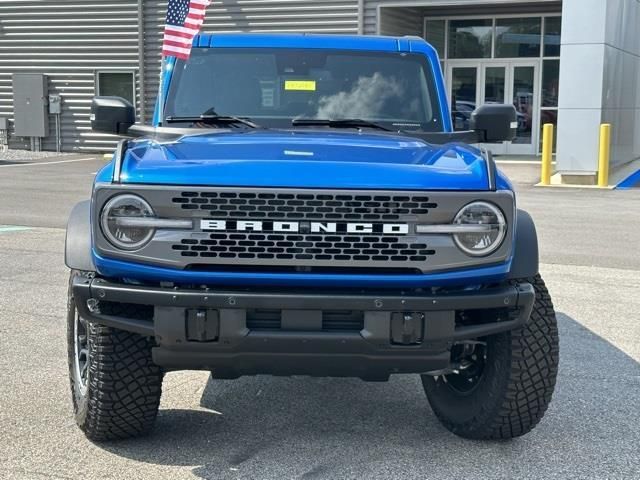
[405,21]
[410,13]
[312,16]
[67,41]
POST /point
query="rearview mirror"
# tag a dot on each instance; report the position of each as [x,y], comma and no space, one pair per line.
[112,115]
[494,123]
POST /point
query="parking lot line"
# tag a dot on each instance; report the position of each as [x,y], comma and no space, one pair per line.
[48,163]
[12,228]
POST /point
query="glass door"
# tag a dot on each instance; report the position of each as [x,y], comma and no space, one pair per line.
[494,84]
[523,78]
[515,83]
[494,89]
[463,93]
[473,83]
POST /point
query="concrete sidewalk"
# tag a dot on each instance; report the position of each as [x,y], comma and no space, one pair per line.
[525,170]
[27,155]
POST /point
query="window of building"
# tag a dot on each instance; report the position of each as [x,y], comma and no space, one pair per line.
[518,37]
[548,116]
[552,33]
[550,82]
[494,59]
[116,83]
[470,38]
[549,101]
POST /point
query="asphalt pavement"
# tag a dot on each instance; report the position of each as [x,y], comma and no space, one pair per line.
[289,428]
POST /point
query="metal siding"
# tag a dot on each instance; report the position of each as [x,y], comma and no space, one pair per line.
[408,12]
[317,16]
[68,41]
[405,21]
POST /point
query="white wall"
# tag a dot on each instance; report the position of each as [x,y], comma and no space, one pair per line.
[599,82]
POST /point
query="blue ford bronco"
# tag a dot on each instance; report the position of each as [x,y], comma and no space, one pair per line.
[302,206]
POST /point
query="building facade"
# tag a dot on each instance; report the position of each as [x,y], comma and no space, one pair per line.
[573,63]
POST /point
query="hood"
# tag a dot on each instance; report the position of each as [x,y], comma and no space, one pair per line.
[305,159]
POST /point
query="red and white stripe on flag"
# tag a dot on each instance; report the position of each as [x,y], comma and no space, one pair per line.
[184,20]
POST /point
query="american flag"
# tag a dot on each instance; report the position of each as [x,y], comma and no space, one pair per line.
[184,19]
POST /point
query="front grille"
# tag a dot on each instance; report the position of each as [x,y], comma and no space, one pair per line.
[271,246]
[307,206]
[332,320]
[368,232]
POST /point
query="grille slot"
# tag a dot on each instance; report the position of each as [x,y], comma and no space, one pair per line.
[283,246]
[332,320]
[298,206]
[263,319]
[342,320]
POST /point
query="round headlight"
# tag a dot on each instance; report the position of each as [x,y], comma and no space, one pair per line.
[486,229]
[115,226]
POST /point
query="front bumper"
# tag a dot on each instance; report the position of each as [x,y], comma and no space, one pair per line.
[299,337]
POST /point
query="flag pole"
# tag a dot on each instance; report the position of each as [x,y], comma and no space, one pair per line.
[161,98]
[183,22]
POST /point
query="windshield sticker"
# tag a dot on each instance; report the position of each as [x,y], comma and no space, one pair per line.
[300,85]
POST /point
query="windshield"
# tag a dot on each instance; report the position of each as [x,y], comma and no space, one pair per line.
[273,86]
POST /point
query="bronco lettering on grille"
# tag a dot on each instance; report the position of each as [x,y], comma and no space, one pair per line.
[303,227]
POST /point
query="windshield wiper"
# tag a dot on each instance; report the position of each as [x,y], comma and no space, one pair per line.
[341,123]
[213,120]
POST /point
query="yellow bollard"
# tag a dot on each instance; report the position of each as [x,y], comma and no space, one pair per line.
[547,154]
[605,155]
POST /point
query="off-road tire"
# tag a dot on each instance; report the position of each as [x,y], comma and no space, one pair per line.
[517,382]
[123,387]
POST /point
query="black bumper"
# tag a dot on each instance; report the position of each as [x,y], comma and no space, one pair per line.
[234,333]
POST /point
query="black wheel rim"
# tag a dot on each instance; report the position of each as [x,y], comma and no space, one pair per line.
[81,349]
[470,371]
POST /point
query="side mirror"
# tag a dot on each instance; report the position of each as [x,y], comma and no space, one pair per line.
[494,123]
[112,115]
